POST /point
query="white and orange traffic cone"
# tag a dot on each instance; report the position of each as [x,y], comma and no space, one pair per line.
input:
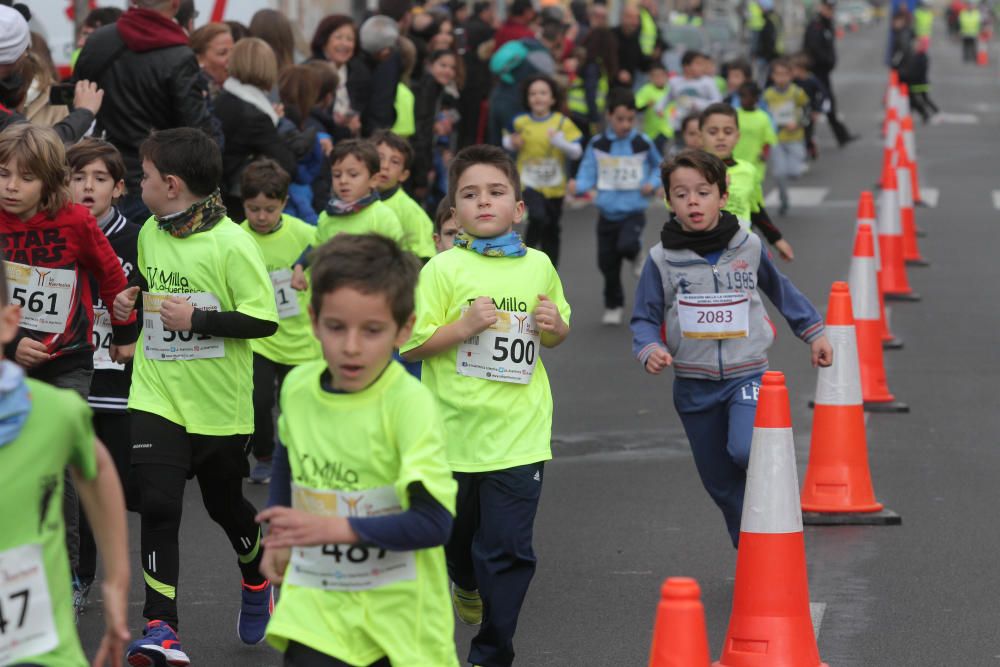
[864,299]
[911,249]
[889,143]
[679,636]
[895,285]
[770,623]
[866,216]
[910,142]
[838,486]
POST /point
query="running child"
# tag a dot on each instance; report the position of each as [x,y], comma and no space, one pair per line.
[757,135]
[656,116]
[694,89]
[446,227]
[720,132]
[819,98]
[281,238]
[205,293]
[97,180]
[544,140]
[395,160]
[706,261]
[485,309]
[623,164]
[355,207]
[359,554]
[689,135]
[38,627]
[788,105]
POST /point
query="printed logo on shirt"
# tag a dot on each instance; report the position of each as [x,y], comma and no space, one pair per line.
[319,473]
[33,246]
[49,485]
[161,280]
[510,303]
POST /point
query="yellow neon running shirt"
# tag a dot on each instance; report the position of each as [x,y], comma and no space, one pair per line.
[538,149]
[375,218]
[418,230]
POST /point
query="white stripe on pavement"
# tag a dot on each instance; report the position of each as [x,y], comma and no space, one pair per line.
[996,199]
[817,610]
[945,118]
[798,196]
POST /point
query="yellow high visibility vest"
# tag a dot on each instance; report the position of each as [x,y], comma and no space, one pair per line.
[923,22]
[755,20]
[969,21]
[647,32]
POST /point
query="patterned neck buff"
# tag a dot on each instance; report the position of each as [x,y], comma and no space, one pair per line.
[505,245]
[199,217]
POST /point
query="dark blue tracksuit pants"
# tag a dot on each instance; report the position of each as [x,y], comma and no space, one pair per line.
[718,419]
[490,550]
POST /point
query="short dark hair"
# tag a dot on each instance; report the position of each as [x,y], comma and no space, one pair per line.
[520,7]
[89,150]
[369,263]
[362,149]
[802,60]
[493,156]
[693,117]
[264,177]
[690,56]
[102,16]
[750,88]
[718,109]
[782,61]
[557,94]
[442,213]
[740,64]
[396,143]
[706,164]
[620,97]
[187,153]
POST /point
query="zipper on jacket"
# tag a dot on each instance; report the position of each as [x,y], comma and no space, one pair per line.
[715,277]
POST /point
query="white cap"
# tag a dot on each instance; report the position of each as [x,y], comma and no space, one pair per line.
[15,36]
[378,33]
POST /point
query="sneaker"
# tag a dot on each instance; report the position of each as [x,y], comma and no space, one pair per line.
[468,605]
[159,647]
[255,611]
[612,317]
[81,589]
[261,473]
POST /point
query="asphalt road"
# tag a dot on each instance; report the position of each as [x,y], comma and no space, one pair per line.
[623,507]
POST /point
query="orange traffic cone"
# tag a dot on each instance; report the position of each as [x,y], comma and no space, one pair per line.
[982,52]
[895,285]
[679,636]
[864,298]
[770,622]
[903,108]
[906,128]
[866,215]
[889,143]
[838,486]
[911,250]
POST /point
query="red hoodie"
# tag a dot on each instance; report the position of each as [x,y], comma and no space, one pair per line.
[146,30]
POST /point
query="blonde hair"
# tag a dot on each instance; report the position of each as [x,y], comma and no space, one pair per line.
[252,62]
[40,153]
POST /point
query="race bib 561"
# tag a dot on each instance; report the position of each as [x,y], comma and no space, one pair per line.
[45,295]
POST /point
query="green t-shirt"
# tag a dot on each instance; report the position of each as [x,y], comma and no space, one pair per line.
[376,217]
[756,131]
[405,124]
[787,106]
[744,191]
[488,424]
[418,230]
[653,123]
[387,435]
[58,433]
[202,383]
[293,343]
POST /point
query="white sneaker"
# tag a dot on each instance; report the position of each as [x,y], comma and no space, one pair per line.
[612,317]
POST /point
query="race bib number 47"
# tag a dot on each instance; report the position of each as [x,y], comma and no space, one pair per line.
[45,295]
[714,316]
[348,567]
[506,352]
[161,344]
[27,626]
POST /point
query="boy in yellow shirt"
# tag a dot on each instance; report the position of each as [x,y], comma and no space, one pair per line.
[396,159]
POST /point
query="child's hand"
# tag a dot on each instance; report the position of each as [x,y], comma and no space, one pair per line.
[116,634]
[299,281]
[517,141]
[125,303]
[646,189]
[175,313]
[547,316]
[822,352]
[571,187]
[122,354]
[274,562]
[658,360]
[30,352]
[289,527]
[784,249]
[480,316]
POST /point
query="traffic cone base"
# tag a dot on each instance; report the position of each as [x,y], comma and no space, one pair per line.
[903,296]
[890,406]
[893,343]
[883,517]
[917,262]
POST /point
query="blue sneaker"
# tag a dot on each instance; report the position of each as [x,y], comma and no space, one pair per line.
[261,473]
[159,647]
[255,612]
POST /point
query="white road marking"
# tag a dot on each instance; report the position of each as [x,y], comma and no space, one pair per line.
[817,610]
[798,196]
[996,199]
[945,118]
[930,196]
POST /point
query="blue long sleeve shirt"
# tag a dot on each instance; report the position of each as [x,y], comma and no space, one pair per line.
[619,204]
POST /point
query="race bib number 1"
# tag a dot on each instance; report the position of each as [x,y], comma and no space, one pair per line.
[27,626]
[506,352]
[348,567]
[45,295]
[286,298]
[714,316]
[163,345]
[102,342]
[622,172]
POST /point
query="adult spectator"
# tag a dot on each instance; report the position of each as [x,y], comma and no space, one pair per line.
[212,44]
[152,82]
[97,18]
[518,25]
[249,120]
[375,73]
[274,28]
[335,41]
[238,29]
[186,14]
[632,62]
[768,44]
[819,43]
[597,71]
[478,80]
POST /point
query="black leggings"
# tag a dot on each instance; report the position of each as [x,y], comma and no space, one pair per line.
[268,376]
[299,655]
[544,229]
[164,457]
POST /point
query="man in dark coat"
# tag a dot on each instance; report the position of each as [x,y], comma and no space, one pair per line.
[819,43]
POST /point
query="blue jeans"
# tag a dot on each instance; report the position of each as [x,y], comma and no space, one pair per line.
[718,419]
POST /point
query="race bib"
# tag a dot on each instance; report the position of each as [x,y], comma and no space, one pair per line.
[348,567]
[160,344]
[784,114]
[540,173]
[102,342]
[506,352]
[285,297]
[27,626]
[714,316]
[622,172]
[45,295]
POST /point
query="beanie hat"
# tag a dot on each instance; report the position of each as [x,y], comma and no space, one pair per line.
[15,37]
